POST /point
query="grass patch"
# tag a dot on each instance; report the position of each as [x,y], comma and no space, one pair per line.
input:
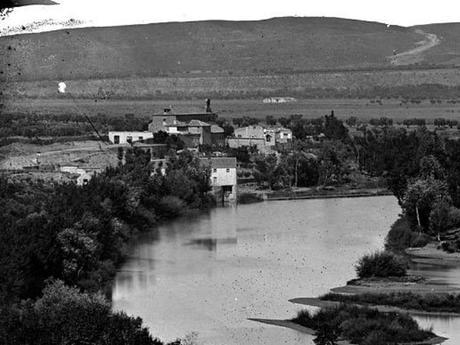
[441,303]
[362,326]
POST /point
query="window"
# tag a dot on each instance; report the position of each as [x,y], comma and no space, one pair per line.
[129,139]
[214,170]
[228,170]
[141,138]
[116,139]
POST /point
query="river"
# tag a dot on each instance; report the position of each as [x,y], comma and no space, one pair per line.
[206,275]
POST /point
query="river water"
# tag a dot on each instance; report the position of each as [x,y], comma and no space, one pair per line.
[208,274]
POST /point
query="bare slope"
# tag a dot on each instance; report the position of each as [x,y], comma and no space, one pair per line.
[448,50]
[210,47]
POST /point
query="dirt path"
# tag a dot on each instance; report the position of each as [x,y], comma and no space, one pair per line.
[416,55]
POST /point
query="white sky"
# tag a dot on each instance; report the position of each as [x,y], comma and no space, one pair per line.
[114,12]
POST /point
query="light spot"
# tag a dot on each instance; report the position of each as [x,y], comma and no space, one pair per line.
[61,87]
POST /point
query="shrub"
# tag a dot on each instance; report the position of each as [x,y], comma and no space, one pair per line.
[401,236]
[381,264]
[361,325]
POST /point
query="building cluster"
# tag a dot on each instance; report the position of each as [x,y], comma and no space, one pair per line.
[194,129]
[264,138]
[197,129]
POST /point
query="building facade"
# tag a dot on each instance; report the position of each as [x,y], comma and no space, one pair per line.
[250,132]
[129,137]
[192,133]
[223,177]
[169,116]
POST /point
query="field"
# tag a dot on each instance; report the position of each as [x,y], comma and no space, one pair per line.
[309,108]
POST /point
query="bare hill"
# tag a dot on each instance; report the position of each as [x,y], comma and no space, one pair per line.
[274,46]
[448,50]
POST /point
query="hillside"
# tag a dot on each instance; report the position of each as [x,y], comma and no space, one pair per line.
[448,51]
[276,45]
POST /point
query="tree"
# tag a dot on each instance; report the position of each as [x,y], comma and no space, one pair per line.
[78,252]
[439,217]
[270,120]
[431,169]
[265,166]
[285,122]
[334,128]
[64,315]
[351,121]
[420,199]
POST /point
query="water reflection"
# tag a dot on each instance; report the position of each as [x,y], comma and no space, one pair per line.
[442,274]
[448,327]
[209,273]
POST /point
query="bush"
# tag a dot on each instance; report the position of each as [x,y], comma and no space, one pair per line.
[381,264]
[361,325]
[401,236]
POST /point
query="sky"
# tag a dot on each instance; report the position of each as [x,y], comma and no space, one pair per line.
[116,12]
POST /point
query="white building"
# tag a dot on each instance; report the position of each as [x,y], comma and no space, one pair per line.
[128,137]
[253,132]
[223,177]
[283,135]
[83,175]
[276,100]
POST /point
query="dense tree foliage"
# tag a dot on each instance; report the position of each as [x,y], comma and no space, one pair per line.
[64,315]
[45,125]
[79,235]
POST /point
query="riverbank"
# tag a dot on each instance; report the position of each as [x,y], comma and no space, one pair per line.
[320,303]
[306,330]
[418,296]
[431,254]
[317,193]
[384,285]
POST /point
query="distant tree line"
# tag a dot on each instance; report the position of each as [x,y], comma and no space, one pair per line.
[47,125]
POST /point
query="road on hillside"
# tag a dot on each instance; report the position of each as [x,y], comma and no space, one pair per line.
[416,55]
